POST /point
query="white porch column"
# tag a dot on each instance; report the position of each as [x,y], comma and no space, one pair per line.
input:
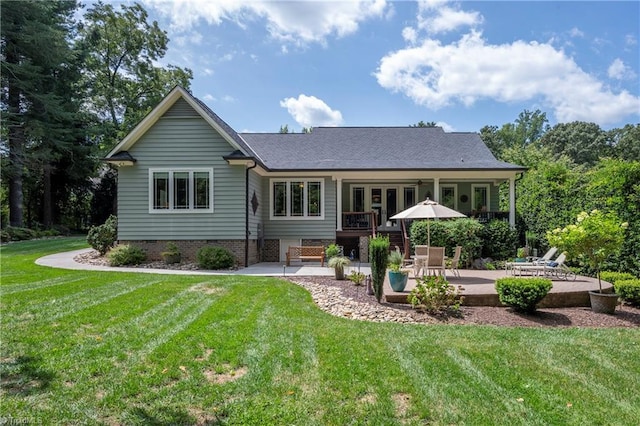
[436,190]
[512,201]
[339,204]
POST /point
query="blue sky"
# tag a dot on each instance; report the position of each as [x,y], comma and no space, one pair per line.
[260,65]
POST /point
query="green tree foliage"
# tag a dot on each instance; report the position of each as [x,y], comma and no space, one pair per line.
[527,130]
[626,142]
[584,143]
[35,58]
[423,124]
[550,195]
[615,185]
[122,81]
[284,129]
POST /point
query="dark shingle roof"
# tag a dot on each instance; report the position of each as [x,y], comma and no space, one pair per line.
[374,148]
[228,129]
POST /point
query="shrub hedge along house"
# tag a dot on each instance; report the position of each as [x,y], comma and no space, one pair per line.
[184,175]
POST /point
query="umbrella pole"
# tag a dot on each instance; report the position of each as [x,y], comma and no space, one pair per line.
[405,239]
[428,233]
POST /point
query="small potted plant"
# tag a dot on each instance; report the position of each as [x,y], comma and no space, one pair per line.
[397,275]
[521,255]
[338,263]
[171,254]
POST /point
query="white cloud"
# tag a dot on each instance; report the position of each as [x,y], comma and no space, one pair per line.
[410,34]
[439,17]
[630,40]
[445,126]
[309,111]
[299,22]
[619,71]
[437,75]
[575,32]
[209,97]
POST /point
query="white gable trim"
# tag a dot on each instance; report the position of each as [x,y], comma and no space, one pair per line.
[155,114]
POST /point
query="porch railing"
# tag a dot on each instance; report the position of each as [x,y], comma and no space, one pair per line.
[359,221]
[485,217]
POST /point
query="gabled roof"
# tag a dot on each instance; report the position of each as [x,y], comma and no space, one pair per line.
[176,93]
[374,148]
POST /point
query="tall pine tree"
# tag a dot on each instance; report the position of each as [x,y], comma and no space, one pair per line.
[35,52]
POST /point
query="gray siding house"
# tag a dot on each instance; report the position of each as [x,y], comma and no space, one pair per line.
[186,176]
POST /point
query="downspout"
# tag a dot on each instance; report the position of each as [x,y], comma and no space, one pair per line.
[246,214]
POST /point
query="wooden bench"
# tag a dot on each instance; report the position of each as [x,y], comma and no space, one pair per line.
[305,253]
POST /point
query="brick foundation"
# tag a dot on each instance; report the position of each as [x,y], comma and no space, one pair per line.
[189,248]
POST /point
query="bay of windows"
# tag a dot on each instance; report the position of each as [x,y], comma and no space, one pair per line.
[181,190]
[297,198]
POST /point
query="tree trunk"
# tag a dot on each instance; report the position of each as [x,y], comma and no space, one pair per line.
[47,211]
[16,148]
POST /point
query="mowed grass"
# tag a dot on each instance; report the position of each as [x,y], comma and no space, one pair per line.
[109,348]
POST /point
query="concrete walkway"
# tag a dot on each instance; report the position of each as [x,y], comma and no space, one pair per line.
[66,260]
[478,286]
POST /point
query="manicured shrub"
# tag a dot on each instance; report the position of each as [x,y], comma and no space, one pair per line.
[435,295]
[629,291]
[18,234]
[332,250]
[171,254]
[103,237]
[379,258]
[215,258]
[449,234]
[499,240]
[126,255]
[522,294]
[614,276]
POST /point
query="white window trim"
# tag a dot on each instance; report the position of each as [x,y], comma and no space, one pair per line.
[455,193]
[473,195]
[288,217]
[191,172]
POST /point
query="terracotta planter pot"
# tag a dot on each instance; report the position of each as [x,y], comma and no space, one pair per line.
[604,303]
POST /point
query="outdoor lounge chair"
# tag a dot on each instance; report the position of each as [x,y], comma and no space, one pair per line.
[554,269]
[509,266]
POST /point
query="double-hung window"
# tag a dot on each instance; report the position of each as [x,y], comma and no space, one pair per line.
[297,199]
[180,190]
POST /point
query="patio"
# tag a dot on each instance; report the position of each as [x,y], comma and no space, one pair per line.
[478,286]
[478,289]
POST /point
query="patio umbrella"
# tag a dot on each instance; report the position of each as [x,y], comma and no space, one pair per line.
[428,209]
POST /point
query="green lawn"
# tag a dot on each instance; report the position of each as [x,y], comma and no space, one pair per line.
[128,348]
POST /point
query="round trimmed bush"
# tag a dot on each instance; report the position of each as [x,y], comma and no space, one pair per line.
[629,291]
[522,294]
[126,255]
[215,258]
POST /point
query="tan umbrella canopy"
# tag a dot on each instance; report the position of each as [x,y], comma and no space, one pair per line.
[427,209]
